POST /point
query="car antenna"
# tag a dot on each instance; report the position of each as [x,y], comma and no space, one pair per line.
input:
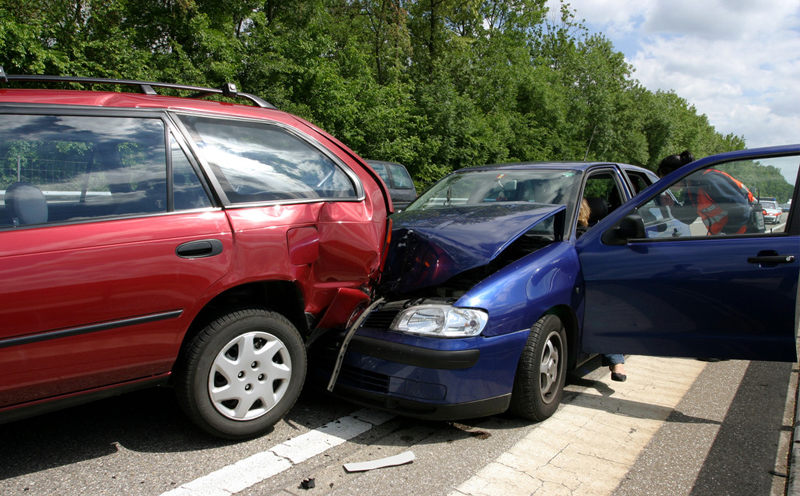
[586,155]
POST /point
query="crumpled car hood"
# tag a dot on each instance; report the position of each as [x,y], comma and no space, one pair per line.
[429,247]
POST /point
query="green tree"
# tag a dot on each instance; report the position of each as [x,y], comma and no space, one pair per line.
[434,84]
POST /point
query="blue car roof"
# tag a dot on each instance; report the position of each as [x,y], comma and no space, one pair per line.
[576,166]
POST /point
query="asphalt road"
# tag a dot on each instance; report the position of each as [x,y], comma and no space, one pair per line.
[675,427]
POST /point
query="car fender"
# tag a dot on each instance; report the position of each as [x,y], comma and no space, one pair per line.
[520,293]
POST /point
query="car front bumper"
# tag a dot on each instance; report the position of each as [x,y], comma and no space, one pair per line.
[429,378]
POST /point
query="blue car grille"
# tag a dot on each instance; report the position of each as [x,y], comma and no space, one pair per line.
[371,381]
[381,318]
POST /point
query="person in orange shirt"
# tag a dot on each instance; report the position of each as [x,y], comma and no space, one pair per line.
[723,203]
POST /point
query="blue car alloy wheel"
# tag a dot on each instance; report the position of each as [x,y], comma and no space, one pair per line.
[541,373]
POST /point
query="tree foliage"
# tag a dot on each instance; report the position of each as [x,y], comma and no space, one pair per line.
[762,180]
[434,84]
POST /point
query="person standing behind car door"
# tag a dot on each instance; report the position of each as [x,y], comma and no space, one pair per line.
[723,203]
[614,362]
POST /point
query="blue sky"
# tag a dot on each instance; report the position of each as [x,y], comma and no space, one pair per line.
[736,61]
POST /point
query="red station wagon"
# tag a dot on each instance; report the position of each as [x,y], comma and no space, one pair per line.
[151,240]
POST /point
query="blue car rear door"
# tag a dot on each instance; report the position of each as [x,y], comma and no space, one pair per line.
[726,295]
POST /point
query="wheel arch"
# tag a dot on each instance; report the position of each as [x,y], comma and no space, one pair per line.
[282,297]
[570,322]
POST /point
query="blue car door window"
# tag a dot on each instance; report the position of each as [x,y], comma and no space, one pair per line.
[699,284]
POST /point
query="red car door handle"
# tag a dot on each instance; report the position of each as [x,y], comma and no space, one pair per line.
[199,249]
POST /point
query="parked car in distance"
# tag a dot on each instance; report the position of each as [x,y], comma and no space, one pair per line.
[155,240]
[773,213]
[490,297]
[397,178]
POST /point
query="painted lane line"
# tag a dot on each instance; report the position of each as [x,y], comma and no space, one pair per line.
[261,466]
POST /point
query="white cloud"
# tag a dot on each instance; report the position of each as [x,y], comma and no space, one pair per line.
[716,19]
[617,17]
[737,61]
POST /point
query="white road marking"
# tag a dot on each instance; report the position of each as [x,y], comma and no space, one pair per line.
[261,466]
[581,450]
[584,450]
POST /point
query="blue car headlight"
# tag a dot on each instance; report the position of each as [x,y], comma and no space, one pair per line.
[443,321]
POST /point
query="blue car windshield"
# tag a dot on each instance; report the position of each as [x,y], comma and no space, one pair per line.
[482,186]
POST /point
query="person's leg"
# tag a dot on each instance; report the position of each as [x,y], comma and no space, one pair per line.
[615,363]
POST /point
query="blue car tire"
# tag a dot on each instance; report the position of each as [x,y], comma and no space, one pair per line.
[541,372]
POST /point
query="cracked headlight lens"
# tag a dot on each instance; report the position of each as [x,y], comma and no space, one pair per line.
[442,321]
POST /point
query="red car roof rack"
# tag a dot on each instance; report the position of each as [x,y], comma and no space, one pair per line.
[147,87]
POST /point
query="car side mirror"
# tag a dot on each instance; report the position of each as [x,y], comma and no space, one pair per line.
[630,227]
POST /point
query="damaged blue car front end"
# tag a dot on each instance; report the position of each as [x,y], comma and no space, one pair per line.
[462,286]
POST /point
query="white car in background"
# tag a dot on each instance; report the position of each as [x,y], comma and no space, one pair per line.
[773,213]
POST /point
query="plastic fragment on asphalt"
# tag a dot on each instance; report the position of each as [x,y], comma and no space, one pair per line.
[309,483]
[391,461]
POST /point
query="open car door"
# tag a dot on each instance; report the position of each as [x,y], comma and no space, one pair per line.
[728,289]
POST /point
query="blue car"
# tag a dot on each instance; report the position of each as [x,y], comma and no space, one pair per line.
[497,283]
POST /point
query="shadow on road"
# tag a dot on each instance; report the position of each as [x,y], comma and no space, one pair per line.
[739,454]
[146,421]
[744,452]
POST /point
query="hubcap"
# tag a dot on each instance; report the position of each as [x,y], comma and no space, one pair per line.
[548,368]
[249,376]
